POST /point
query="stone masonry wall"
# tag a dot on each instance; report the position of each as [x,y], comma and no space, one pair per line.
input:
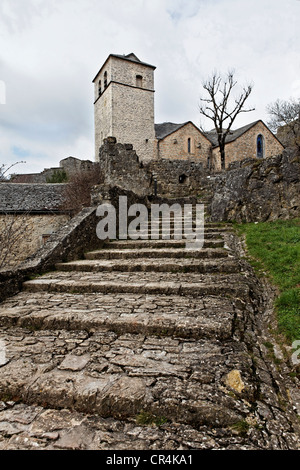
[245,146]
[121,167]
[200,145]
[133,119]
[125,109]
[257,190]
[37,229]
[68,243]
[177,178]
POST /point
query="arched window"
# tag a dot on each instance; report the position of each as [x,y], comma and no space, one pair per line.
[99,88]
[139,81]
[189,145]
[260,146]
[105,80]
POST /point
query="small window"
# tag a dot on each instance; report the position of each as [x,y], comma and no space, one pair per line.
[139,81]
[99,88]
[189,145]
[260,146]
[105,80]
[182,179]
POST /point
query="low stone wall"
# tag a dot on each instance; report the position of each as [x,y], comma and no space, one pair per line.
[257,190]
[177,178]
[165,178]
[68,243]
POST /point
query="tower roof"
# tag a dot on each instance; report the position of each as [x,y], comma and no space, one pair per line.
[129,57]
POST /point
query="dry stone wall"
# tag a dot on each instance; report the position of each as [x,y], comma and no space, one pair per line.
[165,178]
[121,167]
[257,190]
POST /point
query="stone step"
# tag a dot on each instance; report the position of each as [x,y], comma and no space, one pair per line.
[141,283]
[151,252]
[118,376]
[124,244]
[30,427]
[219,265]
[155,314]
[178,230]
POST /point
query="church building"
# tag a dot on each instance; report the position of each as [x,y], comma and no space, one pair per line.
[124,109]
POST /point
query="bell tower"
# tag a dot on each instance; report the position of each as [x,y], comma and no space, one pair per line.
[124,104]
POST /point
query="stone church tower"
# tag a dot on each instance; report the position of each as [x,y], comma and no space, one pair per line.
[124,104]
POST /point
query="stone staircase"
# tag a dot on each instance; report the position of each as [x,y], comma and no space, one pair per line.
[141,345]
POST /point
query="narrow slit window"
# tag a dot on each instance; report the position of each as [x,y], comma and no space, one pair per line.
[105,80]
[189,145]
[99,88]
[260,146]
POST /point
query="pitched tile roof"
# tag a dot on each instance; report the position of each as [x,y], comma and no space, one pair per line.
[233,134]
[166,128]
[22,197]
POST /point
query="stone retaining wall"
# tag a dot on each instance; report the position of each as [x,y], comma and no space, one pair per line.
[66,244]
[257,190]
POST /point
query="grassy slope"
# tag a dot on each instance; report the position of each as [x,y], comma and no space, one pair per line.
[274,248]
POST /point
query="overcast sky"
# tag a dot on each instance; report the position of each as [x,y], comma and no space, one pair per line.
[50,51]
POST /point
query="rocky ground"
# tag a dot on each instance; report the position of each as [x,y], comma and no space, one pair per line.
[145,345]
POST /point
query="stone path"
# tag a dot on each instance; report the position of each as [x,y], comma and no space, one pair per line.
[141,345]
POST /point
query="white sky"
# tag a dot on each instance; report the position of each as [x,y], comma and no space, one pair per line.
[50,51]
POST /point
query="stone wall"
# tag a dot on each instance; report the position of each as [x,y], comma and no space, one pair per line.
[121,167]
[175,145]
[257,190]
[174,178]
[68,243]
[33,230]
[177,178]
[70,165]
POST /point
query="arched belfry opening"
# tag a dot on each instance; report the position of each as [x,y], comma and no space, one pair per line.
[260,146]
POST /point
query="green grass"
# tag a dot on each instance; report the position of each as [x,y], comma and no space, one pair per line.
[274,248]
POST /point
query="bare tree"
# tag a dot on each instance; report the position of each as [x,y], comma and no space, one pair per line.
[4,169]
[15,230]
[77,193]
[222,107]
[285,120]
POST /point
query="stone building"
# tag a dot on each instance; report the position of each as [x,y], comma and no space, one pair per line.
[69,166]
[124,109]
[124,104]
[30,213]
[182,141]
[255,140]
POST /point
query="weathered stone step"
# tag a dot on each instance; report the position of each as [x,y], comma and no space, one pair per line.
[164,283]
[151,252]
[124,244]
[158,236]
[221,265]
[29,427]
[163,288]
[118,376]
[178,231]
[172,315]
